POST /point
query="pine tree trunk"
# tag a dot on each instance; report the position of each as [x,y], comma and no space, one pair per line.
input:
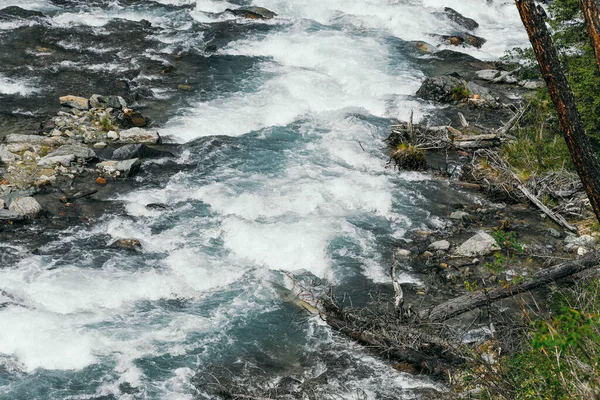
[582,154]
[591,13]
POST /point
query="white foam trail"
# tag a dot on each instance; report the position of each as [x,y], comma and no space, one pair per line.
[9,86]
[316,72]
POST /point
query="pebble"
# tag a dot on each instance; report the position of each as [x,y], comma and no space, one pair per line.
[100,145]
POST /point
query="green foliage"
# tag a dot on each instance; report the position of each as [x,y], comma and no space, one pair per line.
[460,92]
[507,241]
[106,123]
[498,265]
[562,360]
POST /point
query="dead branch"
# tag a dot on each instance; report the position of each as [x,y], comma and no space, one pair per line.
[471,301]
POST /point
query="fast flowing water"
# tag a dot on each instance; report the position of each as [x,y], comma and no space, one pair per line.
[285,173]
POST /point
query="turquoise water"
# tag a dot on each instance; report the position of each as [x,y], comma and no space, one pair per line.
[288,175]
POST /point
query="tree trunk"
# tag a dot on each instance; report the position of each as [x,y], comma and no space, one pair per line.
[471,301]
[591,13]
[578,143]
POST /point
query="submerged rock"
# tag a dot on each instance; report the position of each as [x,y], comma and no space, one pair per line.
[10,216]
[481,244]
[252,12]
[460,19]
[137,151]
[139,135]
[27,206]
[79,103]
[15,12]
[127,244]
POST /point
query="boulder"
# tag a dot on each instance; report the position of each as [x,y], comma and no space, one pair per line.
[449,88]
[463,39]
[442,245]
[100,145]
[6,156]
[14,13]
[50,161]
[79,103]
[458,18]
[481,244]
[139,135]
[99,101]
[124,168]
[112,135]
[252,12]
[137,151]
[130,119]
[26,206]
[78,150]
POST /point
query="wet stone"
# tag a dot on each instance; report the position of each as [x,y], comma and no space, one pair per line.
[80,103]
[26,206]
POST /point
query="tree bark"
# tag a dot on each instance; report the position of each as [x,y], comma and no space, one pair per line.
[471,301]
[591,14]
[583,156]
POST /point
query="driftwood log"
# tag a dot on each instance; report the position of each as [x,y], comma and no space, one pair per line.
[481,298]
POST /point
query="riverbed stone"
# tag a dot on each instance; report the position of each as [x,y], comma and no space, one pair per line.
[123,168]
[139,135]
[50,161]
[78,150]
[80,103]
[554,233]
[573,243]
[27,206]
[6,156]
[460,19]
[127,244]
[479,245]
[99,101]
[442,245]
[400,253]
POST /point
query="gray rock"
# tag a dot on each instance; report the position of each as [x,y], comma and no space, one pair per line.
[252,12]
[6,156]
[51,161]
[27,206]
[554,233]
[460,19]
[1,204]
[124,168]
[532,85]
[479,245]
[79,103]
[100,145]
[11,195]
[78,150]
[488,74]
[137,151]
[15,138]
[7,215]
[587,242]
[460,216]
[99,101]
[112,135]
[402,253]
[449,88]
[442,245]
[139,135]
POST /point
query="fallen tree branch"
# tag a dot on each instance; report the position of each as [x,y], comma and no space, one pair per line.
[475,300]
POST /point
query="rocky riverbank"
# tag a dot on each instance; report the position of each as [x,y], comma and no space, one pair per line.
[86,147]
